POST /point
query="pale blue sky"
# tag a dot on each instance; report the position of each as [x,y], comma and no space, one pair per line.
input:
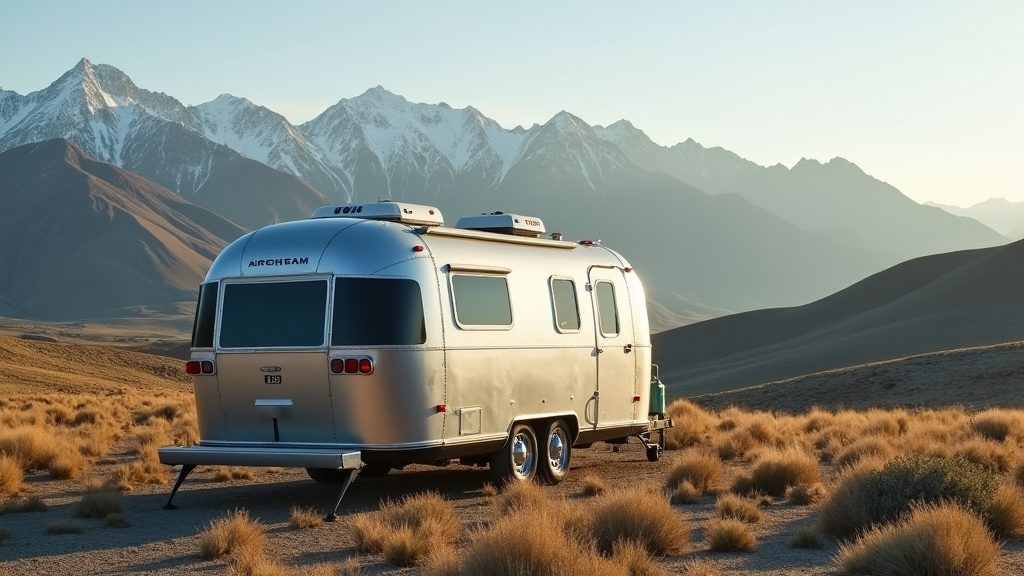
[926,95]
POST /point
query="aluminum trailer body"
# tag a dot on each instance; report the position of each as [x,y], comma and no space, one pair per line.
[404,341]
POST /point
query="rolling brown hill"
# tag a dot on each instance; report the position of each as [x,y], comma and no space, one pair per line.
[942,302]
[84,239]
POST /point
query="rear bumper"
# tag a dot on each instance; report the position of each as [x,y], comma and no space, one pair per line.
[199,455]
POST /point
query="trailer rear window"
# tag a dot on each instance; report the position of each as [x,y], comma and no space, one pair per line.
[274,314]
[206,313]
[481,301]
[377,312]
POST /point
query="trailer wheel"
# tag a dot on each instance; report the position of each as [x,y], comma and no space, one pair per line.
[326,475]
[555,453]
[517,459]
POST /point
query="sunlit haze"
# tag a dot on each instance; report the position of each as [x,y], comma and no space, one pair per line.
[923,95]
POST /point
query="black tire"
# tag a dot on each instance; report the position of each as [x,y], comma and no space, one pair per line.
[653,453]
[517,459]
[374,470]
[555,453]
[326,475]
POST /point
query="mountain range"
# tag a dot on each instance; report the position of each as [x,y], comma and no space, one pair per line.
[946,301]
[999,214]
[709,232]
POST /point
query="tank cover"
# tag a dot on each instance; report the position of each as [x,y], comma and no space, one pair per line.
[403,212]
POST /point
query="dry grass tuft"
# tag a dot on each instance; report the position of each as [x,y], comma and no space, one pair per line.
[999,424]
[518,495]
[305,518]
[729,535]
[242,473]
[21,505]
[639,515]
[776,470]
[594,485]
[444,561]
[700,568]
[806,538]
[67,465]
[232,534]
[934,539]
[489,491]
[11,476]
[868,446]
[221,475]
[691,424]
[116,520]
[633,556]
[406,530]
[684,493]
[33,447]
[804,495]
[99,504]
[700,468]
[65,527]
[732,506]
[1005,517]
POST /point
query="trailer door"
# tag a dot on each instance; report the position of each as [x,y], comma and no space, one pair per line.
[613,348]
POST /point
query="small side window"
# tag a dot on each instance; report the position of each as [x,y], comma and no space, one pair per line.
[481,301]
[608,315]
[567,311]
[206,313]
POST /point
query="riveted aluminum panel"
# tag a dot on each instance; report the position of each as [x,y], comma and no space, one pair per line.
[290,248]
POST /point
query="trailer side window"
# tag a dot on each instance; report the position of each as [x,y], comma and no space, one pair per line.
[481,300]
[377,312]
[274,314]
[206,312]
[607,314]
[567,311]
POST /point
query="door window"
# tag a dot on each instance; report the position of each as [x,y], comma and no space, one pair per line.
[608,316]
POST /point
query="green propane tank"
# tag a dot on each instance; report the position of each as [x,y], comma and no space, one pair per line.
[657,394]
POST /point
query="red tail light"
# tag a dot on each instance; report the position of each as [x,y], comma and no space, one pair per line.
[193,367]
[207,366]
[351,365]
[365,366]
[337,366]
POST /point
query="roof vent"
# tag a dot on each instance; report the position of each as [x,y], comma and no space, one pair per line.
[503,223]
[403,212]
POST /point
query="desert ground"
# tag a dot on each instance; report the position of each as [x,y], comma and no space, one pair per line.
[116,405]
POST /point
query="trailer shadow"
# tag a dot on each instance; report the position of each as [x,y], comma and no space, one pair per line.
[200,501]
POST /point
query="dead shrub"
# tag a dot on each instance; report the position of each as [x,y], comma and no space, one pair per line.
[691,424]
[934,539]
[729,535]
[408,528]
[22,505]
[1005,516]
[67,465]
[32,447]
[242,473]
[11,476]
[633,556]
[762,428]
[700,468]
[99,504]
[593,485]
[986,453]
[684,493]
[405,547]
[116,520]
[221,475]
[444,561]
[732,506]
[776,470]
[735,444]
[869,446]
[700,568]
[305,518]
[518,495]
[490,491]
[253,562]
[234,533]
[368,532]
[804,495]
[640,515]
[806,538]
[998,424]
[65,527]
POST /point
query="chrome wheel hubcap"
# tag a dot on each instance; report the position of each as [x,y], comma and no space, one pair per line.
[522,455]
[557,453]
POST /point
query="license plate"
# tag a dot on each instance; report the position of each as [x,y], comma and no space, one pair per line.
[271,379]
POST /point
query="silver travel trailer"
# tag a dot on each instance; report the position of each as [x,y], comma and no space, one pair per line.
[371,336]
